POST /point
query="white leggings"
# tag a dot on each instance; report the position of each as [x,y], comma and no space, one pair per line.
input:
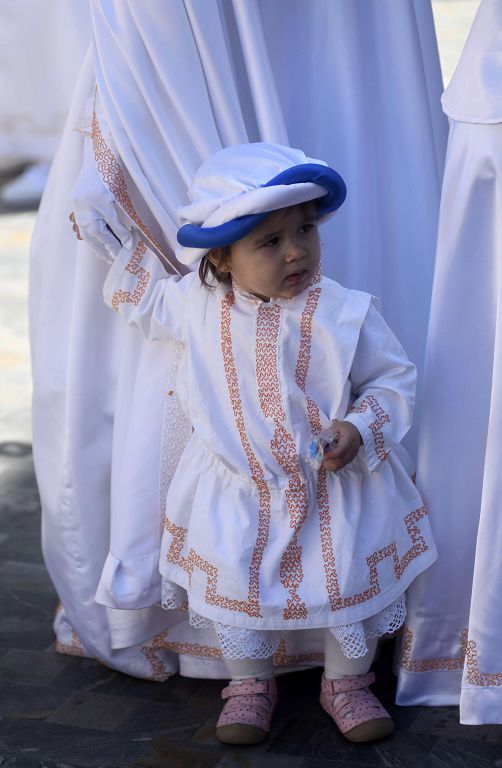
[336,665]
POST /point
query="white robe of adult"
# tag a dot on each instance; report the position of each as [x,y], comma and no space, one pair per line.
[42,47]
[452,651]
[359,90]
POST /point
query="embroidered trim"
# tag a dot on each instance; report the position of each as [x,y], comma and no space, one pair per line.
[283,449]
[450,664]
[474,676]
[114,179]
[251,606]
[281,658]
[134,268]
[376,426]
[159,671]
[74,648]
[303,362]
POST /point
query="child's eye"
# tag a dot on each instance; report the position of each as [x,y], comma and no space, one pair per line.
[271,243]
[306,228]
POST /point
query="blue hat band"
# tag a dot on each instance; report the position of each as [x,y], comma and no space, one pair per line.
[196,236]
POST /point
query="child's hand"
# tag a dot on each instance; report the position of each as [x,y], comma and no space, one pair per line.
[348,443]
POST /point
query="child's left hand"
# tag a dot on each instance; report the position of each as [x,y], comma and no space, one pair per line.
[348,443]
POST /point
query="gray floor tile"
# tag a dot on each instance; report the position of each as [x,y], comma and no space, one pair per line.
[464,754]
[165,754]
[32,667]
[20,701]
[443,722]
[71,745]
[94,710]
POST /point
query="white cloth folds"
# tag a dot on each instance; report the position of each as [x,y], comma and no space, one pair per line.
[451,647]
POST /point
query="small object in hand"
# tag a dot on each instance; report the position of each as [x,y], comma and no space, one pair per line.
[75,225]
[325,442]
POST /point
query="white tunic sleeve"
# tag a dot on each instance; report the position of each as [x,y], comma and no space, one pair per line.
[138,287]
[383,382]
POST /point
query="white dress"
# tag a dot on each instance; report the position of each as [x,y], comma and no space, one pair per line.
[255,536]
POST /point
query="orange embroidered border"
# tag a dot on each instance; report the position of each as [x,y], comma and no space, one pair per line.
[159,671]
[451,664]
[281,658]
[474,676]
[113,177]
[251,606]
[283,449]
[74,648]
[376,426]
[303,362]
[268,322]
[418,543]
[135,268]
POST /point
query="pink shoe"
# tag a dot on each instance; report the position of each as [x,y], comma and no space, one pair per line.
[355,709]
[247,714]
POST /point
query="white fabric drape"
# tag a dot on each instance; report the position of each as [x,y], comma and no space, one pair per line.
[176,82]
[42,45]
[451,651]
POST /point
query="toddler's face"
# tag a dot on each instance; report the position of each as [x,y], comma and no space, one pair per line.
[280,257]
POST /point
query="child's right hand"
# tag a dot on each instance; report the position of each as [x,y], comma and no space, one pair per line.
[348,442]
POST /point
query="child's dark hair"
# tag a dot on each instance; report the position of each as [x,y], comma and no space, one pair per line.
[208,267]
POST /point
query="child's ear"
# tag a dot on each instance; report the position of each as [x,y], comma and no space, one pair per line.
[220,257]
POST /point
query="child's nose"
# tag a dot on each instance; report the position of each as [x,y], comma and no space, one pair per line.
[294,251]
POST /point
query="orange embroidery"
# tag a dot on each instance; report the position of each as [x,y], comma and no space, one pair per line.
[268,324]
[281,658]
[450,664]
[283,450]
[74,648]
[474,676]
[314,417]
[303,362]
[251,606]
[376,426]
[114,179]
[159,671]
[135,268]
[177,543]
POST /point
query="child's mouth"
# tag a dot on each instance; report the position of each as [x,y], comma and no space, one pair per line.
[296,277]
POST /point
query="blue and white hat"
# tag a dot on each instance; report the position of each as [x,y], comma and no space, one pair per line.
[236,188]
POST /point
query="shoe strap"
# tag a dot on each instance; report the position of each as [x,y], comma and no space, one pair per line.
[249,688]
[352,683]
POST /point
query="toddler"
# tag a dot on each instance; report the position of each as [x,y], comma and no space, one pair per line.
[260,539]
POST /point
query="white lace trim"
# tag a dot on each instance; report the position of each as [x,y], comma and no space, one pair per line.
[239,643]
[174,597]
[352,637]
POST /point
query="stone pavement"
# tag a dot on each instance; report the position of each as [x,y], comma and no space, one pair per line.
[66,712]
[63,712]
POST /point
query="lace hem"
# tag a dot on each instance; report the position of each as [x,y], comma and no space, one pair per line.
[352,637]
[174,597]
[239,643]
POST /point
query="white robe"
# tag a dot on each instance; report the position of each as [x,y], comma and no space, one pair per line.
[42,47]
[451,649]
[176,86]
